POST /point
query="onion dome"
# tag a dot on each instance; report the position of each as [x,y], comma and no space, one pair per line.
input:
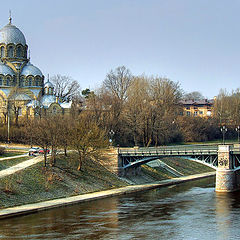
[11,34]
[30,69]
[6,70]
[47,100]
[48,85]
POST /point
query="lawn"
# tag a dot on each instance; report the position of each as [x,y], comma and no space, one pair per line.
[38,183]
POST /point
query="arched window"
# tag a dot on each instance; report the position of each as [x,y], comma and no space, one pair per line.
[21,84]
[13,81]
[19,51]
[37,81]
[30,81]
[10,51]
[1,80]
[8,81]
[2,51]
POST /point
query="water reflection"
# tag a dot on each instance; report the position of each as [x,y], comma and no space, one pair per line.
[186,211]
[84,220]
[227,213]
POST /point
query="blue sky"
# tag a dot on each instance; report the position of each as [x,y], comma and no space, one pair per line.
[196,43]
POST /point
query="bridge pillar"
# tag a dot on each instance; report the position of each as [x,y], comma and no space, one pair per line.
[226,177]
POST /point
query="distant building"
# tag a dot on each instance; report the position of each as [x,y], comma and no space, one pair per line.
[200,108]
[22,88]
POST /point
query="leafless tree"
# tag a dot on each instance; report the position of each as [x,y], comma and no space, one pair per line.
[65,88]
[118,81]
[87,138]
[41,136]
[195,95]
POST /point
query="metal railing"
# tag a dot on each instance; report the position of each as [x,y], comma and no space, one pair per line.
[170,150]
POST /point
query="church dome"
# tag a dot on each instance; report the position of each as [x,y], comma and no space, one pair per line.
[48,85]
[30,69]
[6,70]
[47,100]
[11,34]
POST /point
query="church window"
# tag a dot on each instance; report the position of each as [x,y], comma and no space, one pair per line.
[19,111]
[19,51]
[2,51]
[10,51]
[1,80]
[30,81]
[8,81]
[37,81]
[22,82]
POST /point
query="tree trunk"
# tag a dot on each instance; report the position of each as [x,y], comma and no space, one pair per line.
[45,158]
[53,155]
[79,163]
[65,151]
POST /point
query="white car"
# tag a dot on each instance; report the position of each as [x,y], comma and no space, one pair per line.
[33,151]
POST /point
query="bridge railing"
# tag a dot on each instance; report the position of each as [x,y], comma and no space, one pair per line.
[182,149]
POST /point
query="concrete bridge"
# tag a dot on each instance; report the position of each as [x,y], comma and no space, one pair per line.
[224,158]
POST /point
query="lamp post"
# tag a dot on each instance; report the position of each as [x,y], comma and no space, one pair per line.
[238,130]
[223,130]
[111,133]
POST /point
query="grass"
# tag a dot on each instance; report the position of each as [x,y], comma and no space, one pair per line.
[11,162]
[37,183]
[11,154]
[218,141]
[157,173]
[187,167]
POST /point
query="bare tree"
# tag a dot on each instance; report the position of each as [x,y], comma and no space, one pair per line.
[137,110]
[195,95]
[65,88]
[41,136]
[87,138]
[118,81]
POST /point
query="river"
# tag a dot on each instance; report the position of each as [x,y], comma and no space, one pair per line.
[191,210]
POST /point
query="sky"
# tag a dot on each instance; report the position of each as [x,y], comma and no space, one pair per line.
[195,43]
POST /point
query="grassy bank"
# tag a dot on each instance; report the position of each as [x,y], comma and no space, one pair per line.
[11,162]
[37,183]
[183,166]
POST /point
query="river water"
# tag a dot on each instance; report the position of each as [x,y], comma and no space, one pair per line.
[191,210]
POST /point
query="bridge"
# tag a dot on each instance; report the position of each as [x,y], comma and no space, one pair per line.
[224,158]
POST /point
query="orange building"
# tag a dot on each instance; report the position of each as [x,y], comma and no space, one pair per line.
[200,108]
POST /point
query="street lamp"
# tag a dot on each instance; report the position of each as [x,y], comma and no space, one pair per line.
[111,133]
[238,129]
[223,130]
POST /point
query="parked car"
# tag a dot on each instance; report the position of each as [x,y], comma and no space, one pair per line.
[33,151]
[36,150]
[41,151]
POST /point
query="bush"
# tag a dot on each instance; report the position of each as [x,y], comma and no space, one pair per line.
[2,150]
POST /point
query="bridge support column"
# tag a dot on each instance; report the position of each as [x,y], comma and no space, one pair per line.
[226,177]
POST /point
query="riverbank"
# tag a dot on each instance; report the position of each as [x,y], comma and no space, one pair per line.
[38,183]
[37,207]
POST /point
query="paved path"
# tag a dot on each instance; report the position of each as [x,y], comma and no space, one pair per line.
[20,166]
[17,156]
[36,207]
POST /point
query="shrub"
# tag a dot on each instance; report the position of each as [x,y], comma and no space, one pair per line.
[2,150]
